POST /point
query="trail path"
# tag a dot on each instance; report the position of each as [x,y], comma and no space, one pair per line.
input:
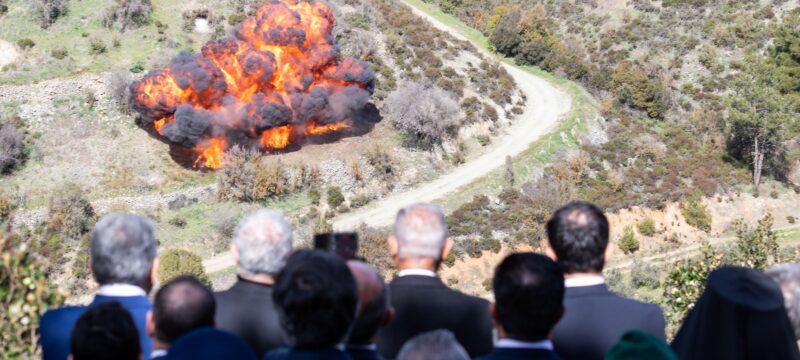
[546,105]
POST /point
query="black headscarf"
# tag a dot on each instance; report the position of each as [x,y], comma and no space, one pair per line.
[739,316]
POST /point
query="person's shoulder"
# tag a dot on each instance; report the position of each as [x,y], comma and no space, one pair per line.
[61,315]
[515,354]
[277,354]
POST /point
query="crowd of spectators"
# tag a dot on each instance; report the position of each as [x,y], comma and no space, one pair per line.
[313,304]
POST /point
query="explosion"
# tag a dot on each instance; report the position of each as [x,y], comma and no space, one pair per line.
[274,84]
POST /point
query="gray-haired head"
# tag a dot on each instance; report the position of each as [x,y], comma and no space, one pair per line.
[420,231]
[788,277]
[433,345]
[263,240]
[122,249]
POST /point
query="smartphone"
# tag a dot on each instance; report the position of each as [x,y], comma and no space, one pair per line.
[343,244]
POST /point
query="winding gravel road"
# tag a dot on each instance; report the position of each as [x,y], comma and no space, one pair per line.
[545,107]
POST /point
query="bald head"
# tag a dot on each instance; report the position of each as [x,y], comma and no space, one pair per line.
[373,300]
[420,231]
[180,306]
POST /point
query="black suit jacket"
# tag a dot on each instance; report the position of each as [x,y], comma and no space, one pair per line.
[293,354]
[515,354]
[595,319]
[363,354]
[247,310]
[424,303]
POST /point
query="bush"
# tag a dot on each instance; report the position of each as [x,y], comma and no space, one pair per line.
[686,281]
[360,200]
[791,219]
[59,53]
[247,176]
[177,221]
[372,247]
[633,87]
[25,43]
[119,83]
[335,196]
[127,13]
[48,11]
[11,146]
[644,275]
[25,293]
[7,205]
[628,242]
[427,115]
[97,46]
[647,227]
[69,212]
[177,262]
[696,214]
[314,196]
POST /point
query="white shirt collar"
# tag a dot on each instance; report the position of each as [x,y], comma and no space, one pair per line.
[121,290]
[584,281]
[420,272]
[516,344]
[158,352]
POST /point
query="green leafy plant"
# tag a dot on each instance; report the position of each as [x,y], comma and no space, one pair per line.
[647,227]
[628,242]
[177,262]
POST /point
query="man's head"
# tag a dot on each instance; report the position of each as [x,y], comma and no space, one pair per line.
[529,296]
[374,310]
[788,277]
[317,299]
[262,242]
[105,331]
[433,345]
[578,236]
[180,306]
[123,250]
[420,232]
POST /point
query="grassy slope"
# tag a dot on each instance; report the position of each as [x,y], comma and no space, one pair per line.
[584,108]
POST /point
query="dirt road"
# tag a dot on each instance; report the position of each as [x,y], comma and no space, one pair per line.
[546,106]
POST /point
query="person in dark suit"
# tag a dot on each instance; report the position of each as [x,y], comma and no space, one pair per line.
[529,301]
[595,317]
[105,332]
[260,246]
[182,305]
[317,301]
[422,302]
[210,344]
[123,260]
[374,312]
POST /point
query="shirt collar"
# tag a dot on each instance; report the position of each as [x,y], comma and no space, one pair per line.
[584,281]
[157,353]
[121,290]
[372,347]
[420,272]
[516,344]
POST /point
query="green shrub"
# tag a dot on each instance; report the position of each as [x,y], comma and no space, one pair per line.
[177,262]
[178,221]
[25,43]
[791,219]
[25,294]
[335,196]
[360,200]
[59,53]
[97,46]
[644,275]
[69,212]
[314,196]
[628,242]
[696,214]
[647,227]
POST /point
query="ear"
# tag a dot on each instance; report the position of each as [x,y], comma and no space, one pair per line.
[448,246]
[391,241]
[235,254]
[607,254]
[154,272]
[549,251]
[150,326]
[69,357]
[388,316]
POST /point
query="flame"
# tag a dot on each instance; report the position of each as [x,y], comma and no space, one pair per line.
[277,81]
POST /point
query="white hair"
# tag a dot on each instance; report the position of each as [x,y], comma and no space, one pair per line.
[263,240]
[788,277]
[437,344]
[421,231]
[122,248]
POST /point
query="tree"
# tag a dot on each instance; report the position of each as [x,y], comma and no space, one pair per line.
[177,262]
[505,37]
[25,294]
[756,120]
[633,87]
[427,114]
[756,248]
[785,53]
[628,242]
[49,11]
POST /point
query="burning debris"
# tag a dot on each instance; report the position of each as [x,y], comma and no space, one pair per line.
[277,83]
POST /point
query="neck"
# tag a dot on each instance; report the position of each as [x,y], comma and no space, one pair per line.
[159,345]
[502,334]
[263,279]
[417,263]
[582,275]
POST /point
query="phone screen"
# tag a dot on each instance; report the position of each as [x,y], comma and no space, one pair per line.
[344,245]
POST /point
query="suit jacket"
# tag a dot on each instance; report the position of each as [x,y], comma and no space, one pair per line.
[55,327]
[363,354]
[247,310]
[595,319]
[294,354]
[515,354]
[424,303]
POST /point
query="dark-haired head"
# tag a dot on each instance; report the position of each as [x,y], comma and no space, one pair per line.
[529,296]
[578,236]
[105,331]
[317,299]
[182,305]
